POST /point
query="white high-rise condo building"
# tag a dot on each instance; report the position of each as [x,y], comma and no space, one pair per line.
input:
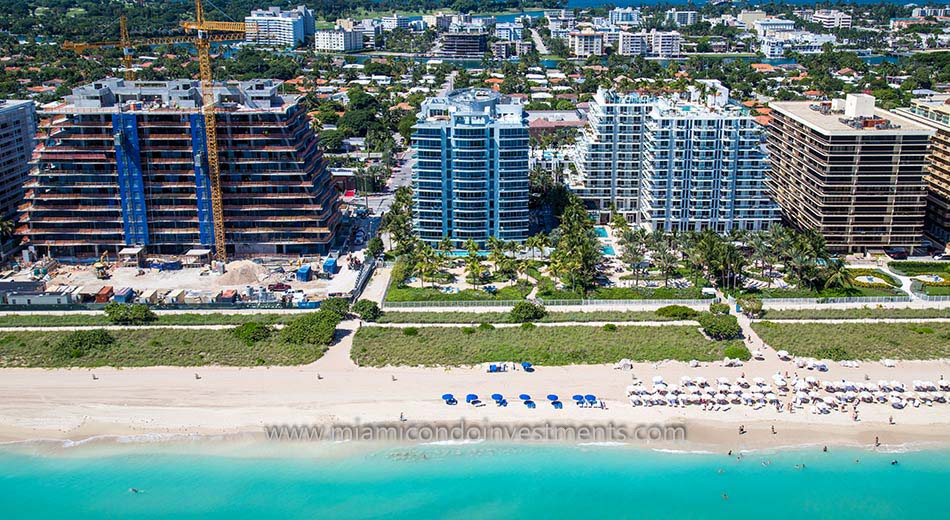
[765,26]
[470,180]
[338,40]
[278,28]
[17,132]
[682,18]
[625,16]
[831,18]
[395,22]
[672,164]
[586,43]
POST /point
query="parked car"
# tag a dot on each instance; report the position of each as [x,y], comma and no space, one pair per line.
[277,287]
[896,253]
[944,256]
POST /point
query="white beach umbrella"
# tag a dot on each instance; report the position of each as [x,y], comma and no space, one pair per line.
[722,380]
[782,354]
[741,381]
[657,379]
[701,381]
[686,380]
[811,380]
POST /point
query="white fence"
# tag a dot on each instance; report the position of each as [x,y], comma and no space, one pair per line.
[449,303]
[820,301]
[642,302]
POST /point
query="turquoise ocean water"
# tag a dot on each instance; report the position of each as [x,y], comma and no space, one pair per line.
[472,481]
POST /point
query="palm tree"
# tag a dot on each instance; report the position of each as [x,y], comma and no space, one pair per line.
[428,263]
[471,247]
[839,275]
[496,254]
[445,245]
[667,263]
[634,258]
[473,266]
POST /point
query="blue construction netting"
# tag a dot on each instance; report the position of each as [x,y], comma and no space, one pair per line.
[131,186]
[202,181]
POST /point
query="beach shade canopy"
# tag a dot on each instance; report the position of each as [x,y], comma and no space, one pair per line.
[524,397]
[578,397]
[447,397]
[525,364]
[590,397]
[552,397]
[497,397]
[471,397]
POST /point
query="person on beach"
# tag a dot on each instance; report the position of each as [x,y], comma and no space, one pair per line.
[773,430]
[890,419]
[877,442]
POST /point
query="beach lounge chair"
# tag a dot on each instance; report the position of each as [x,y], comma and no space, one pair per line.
[530,404]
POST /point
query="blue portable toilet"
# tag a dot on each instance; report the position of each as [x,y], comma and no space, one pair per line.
[329,266]
[304,274]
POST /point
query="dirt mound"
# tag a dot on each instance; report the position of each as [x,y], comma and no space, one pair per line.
[242,272]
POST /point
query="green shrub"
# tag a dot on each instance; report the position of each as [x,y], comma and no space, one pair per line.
[528,326]
[338,306]
[486,326]
[468,331]
[367,309]
[737,352]
[527,311]
[921,330]
[834,353]
[252,332]
[410,331]
[610,327]
[719,308]
[679,312]
[751,305]
[315,328]
[126,314]
[720,326]
[78,343]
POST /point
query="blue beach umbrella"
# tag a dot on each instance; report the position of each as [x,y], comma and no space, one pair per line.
[471,397]
[525,365]
[446,397]
[524,397]
[497,397]
[552,397]
[590,397]
[578,397]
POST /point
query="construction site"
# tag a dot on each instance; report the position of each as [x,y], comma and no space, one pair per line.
[126,163]
[142,191]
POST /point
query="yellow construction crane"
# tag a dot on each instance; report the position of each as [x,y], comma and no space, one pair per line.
[206,33]
[127,44]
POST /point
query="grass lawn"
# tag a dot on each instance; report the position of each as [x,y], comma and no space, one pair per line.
[154,347]
[805,314]
[657,293]
[911,268]
[504,317]
[869,341]
[551,346]
[68,320]
[856,292]
[877,273]
[936,290]
[428,294]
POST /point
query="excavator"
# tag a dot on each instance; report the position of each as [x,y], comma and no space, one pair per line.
[102,266]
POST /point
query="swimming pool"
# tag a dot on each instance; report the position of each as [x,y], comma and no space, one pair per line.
[608,250]
[601,232]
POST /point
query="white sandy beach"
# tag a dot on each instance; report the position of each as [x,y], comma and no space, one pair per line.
[70,404]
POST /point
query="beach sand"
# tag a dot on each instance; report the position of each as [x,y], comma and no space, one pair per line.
[69,404]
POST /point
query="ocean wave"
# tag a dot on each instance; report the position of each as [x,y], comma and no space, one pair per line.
[602,444]
[682,452]
[453,443]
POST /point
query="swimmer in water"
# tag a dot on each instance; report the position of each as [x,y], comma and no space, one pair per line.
[725,496]
[720,471]
[894,462]
[133,490]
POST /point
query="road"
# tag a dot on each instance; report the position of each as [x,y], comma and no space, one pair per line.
[538,42]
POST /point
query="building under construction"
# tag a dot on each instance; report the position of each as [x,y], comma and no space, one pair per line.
[125,163]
